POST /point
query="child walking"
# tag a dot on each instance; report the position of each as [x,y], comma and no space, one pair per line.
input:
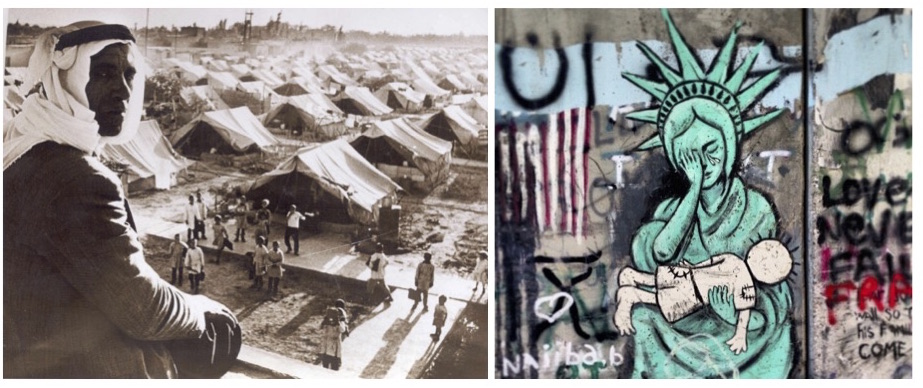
[439,316]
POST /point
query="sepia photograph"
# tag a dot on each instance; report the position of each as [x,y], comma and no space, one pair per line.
[245,193]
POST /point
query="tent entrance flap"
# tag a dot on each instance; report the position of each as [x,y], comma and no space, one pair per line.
[202,139]
[305,193]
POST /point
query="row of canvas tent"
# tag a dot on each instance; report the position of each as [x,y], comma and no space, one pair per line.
[393,149]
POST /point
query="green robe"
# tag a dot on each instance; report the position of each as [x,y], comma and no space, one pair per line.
[695,345]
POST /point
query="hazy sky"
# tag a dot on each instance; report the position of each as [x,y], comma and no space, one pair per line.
[395,21]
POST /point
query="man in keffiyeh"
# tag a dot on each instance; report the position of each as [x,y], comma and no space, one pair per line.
[79,298]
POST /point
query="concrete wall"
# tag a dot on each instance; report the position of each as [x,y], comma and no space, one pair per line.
[861,188]
[576,192]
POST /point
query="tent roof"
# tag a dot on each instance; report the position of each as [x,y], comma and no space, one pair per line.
[201,92]
[267,77]
[334,74]
[419,142]
[147,154]
[224,78]
[363,96]
[240,69]
[463,125]
[238,126]
[196,70]
[405,90]
[340,170]
[303,102]
[455,82]
[324,102]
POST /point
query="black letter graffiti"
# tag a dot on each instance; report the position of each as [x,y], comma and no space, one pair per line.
[506,66]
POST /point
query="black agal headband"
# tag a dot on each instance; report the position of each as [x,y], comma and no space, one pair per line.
[93,34]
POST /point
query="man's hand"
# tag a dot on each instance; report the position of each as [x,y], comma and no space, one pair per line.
[215,312]
[722,302]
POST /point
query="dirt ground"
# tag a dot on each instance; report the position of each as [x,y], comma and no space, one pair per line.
[288,324]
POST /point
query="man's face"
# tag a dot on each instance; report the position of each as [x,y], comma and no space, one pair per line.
[109,87]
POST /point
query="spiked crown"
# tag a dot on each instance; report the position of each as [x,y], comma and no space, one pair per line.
[719,84]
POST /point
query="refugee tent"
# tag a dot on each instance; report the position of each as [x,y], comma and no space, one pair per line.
[188,70]
[290,88]
[451,82]
[202,93]
[322,101]
[12,98]
[150,159]
[398,95]
[303,115]
[258,90]
[14,75]
[401,150]
[240,70]
[331,178]
[473,83]
[454,125]
[334,77]
[219,65]
[358,100]
[423,83]
[222,80]
[229,131]
[477,109]
[268,77]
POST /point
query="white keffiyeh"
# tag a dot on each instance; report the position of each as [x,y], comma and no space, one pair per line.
[61,114]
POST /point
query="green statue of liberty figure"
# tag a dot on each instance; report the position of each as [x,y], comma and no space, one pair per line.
[700,124]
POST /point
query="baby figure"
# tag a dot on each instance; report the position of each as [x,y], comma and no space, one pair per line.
[682,289]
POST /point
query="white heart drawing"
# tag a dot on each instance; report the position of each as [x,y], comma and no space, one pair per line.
[551,301]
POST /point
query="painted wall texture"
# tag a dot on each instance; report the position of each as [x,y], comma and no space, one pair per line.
[861,194]
[662,208]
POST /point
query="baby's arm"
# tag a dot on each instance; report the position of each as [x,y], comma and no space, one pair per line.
[738,342]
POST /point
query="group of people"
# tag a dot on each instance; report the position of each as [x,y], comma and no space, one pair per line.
[196,212]
[267,263]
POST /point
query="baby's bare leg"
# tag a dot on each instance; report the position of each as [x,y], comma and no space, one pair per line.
[631,277]
[626,298]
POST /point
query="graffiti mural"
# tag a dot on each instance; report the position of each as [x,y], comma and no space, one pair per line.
[691,250]
[703,193]
[862,195]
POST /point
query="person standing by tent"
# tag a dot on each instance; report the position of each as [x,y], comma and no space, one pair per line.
[259,262]
[201,211]
[221,238]
[195,265]
[263,216]
[423,280]
[480,273]
[177,255]
[377,263]
[274,269]
[243,208]
[190,212]
[293,222]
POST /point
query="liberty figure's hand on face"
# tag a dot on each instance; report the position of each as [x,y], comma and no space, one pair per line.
[690,163]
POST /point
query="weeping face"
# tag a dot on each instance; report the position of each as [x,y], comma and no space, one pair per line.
[707,142]
[703,128]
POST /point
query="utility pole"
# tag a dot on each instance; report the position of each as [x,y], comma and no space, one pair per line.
[248,29]
[147,27]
